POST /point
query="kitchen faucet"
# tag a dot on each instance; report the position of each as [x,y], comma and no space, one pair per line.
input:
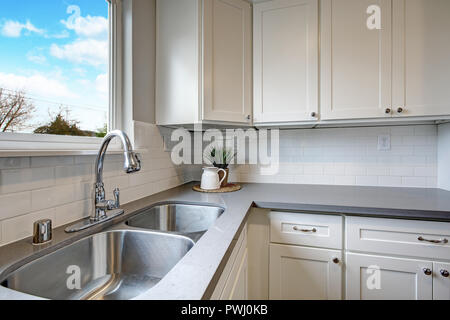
[105,210]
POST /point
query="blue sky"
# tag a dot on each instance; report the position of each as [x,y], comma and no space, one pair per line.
[56,51]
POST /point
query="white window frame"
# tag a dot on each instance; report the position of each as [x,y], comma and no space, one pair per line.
[25,144]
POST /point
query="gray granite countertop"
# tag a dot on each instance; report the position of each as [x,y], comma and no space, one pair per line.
[198,270]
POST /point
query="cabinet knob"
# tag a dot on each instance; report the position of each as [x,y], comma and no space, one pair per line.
[444,273]
[336,260]
[313,114]
[427,271]
[388,111]
[400,110]
[249,117]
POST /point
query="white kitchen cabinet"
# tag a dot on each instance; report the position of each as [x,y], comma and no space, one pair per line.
[370,277]
[204,62]
[301,273]
[233,282]
[236,286]
[421,68]
[286,61]
[400,70]
[441,281]
[356,73]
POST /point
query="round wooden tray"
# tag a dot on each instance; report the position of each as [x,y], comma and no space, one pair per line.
[231,187]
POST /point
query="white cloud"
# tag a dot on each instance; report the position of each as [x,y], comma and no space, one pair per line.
[82,51]
[80,71]
[37,84]
[36,57]
[102,84]
[62,35]
[88,27]
[13,29]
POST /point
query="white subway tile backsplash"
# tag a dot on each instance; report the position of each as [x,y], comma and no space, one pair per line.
[367,181]
[402,131]
[45,162]
[22,227]
[15,204]
[74,174]
[52,197]
[72,212]
[313,169]
[430,171]
[350,156]
[18,180]
[345,180]
[416,182]
[14,163]
[380,170]
[425,130]
[401,171]
[390,181]
[355,170]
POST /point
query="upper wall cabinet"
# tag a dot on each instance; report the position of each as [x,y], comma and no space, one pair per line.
[286,42]
[356,62]
[204,62]
[421,61]
[400,70]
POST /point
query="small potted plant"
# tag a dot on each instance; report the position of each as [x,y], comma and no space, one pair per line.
[221,158]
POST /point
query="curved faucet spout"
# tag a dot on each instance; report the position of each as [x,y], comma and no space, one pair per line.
[101,205]
[131,160]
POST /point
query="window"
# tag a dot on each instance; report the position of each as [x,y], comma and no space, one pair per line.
[54,69]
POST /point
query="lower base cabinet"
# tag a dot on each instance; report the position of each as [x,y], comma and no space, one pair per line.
[370,277]
[300,273]
[441,281]
[236,287]
[233,283]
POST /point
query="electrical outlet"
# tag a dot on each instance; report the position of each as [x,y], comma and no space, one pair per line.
[384,142]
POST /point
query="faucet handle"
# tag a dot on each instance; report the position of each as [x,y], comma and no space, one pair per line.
[117,198]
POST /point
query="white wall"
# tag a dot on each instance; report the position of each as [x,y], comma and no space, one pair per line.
[349,156]
[444,156]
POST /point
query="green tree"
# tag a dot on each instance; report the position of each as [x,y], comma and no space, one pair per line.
[61,125]
[101,133]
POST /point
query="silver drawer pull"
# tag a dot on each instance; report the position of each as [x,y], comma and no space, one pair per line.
[432,241]
[305,230]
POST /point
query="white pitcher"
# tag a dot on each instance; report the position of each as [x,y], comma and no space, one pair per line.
[210,178]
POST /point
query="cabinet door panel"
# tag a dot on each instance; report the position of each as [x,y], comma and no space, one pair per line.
[421,57]
[441,283]
[355,61]
[227,61]
[286,60]
[239,290]
[300,273]
[399,279]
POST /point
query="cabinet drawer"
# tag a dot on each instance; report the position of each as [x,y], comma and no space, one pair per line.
[313,230]
[399,237]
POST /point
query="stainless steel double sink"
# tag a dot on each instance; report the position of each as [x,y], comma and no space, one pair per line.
[120,263]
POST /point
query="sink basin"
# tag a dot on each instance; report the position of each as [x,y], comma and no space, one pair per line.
[182,218]
[114,265]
